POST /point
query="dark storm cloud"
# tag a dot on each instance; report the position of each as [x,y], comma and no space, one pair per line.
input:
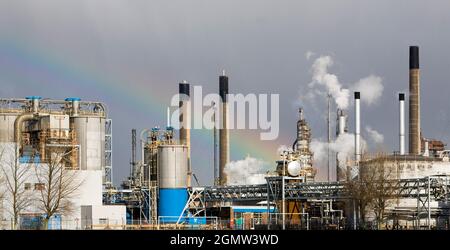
[262,44]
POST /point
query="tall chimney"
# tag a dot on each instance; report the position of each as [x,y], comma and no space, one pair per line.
[133,154]
[401,98]
[357,128]
[185,123]
[414,101]
[224,139]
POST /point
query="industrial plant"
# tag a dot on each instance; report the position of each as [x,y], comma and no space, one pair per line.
[56,157]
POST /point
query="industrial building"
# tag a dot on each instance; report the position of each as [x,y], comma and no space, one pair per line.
[40,136]
[160,193]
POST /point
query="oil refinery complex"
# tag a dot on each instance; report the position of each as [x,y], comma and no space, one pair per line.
[70,141]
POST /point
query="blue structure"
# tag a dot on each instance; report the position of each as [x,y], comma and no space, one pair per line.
[253,209]
[173,171]
[171,204]
[71,99]
[33,97]
[55,222]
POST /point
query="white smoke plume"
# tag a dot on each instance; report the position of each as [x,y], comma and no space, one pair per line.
[331,82]
[371,89]
[344,145]
[249,171]
[323,83]
[309,54]
[374,135]
[314,97]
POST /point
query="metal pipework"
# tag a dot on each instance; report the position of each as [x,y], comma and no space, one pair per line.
[414,101]
[75,105]
[34,103]
[185,122]
[401,98]
[224,138]
[357,127]
[18,127]
[7,103]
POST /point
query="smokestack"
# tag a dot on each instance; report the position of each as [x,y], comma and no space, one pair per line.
[426,151]
[357,127]
[168,117]
[133,154]
[224,139]
[341,128]
[342,120]
[185,123]
[401,98]
[414,101]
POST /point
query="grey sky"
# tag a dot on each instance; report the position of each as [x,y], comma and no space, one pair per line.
[262,44]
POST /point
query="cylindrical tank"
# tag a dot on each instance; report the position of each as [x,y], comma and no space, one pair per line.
[173,170]
[90,134]
[7,127]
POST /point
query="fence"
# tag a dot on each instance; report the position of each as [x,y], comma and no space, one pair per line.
[37,223]
[176,222]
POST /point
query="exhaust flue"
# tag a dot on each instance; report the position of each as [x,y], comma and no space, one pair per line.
[342,123]
[414,101]
[357,128]
[185,123]
[224,139]
[133,154]
[401,98]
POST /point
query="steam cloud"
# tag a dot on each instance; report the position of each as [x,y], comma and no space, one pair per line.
[313,97]
[323,83]
[249,171]
[309,54]
[344,145]
[331,82]
[371,89]
[375,136]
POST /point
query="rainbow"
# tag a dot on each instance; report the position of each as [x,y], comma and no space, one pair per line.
[38,71]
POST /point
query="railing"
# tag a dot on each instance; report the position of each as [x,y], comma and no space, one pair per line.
[186,222]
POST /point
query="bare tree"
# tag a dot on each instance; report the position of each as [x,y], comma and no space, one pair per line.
[360,192]
[374,188]
[58,186]
[15,175]
[384,191]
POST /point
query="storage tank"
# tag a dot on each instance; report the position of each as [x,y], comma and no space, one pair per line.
[173,170]
[7,126]
[90,134]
